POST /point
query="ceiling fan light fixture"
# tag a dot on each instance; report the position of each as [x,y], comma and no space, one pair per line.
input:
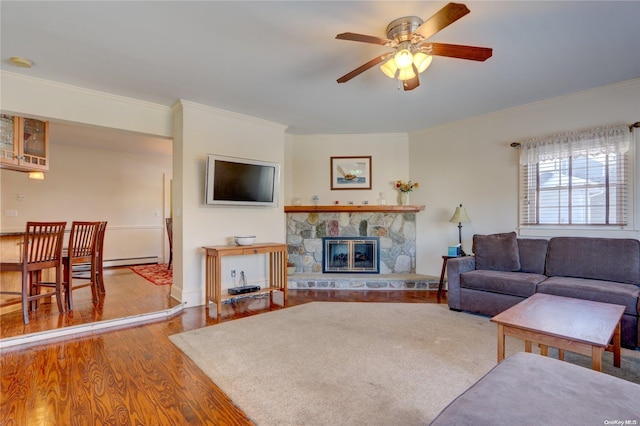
[406,74]
[412,54]
[422,61]
[389,68]
[403,58]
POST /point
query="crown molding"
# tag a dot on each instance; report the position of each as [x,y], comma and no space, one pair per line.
[109,96]
[180,105]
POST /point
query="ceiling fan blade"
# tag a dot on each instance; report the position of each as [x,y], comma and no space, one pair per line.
[362,68]
[459,51]
[411,84]
[442,19]
[364,38]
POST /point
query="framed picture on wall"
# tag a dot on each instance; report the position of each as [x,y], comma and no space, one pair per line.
[351,172]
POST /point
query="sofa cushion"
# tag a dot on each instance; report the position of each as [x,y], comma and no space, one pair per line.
[607,259]
[596,290]
[512,283]
[533,254]
[531,389]
[496,252]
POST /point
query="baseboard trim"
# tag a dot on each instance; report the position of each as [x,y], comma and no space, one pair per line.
[108,263]
[76,330]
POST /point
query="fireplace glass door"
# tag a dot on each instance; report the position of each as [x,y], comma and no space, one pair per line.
[346,254]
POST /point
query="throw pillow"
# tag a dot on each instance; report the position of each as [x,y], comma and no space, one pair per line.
[497,252]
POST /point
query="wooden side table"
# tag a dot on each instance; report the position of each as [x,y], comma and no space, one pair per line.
[277,270]
[444,269]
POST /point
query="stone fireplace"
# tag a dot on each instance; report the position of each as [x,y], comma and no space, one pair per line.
[351,254]
[393,226]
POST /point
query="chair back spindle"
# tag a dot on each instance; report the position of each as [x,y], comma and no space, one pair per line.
[43,243]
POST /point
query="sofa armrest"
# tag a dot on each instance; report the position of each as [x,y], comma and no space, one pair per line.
[455,267]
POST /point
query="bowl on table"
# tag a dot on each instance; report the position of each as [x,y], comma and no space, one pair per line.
[244,240]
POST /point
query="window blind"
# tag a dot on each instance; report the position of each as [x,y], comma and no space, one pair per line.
[576,178]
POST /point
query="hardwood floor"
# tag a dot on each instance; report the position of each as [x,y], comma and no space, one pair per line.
[134,375]
[126,294]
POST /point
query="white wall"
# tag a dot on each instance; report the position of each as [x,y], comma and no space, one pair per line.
[310,162]
[470,162]
[200,130]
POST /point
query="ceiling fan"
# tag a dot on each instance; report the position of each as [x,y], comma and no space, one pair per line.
[412,53]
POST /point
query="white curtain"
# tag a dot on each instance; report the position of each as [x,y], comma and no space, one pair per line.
[600,140]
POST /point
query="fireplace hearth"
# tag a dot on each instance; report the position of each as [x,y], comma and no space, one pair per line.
[351,254]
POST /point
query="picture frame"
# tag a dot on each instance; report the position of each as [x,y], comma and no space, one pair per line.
[351,172]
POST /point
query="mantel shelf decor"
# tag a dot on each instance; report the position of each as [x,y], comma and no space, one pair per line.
[365,208]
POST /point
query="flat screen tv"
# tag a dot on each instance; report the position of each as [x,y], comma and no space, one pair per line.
[240,181]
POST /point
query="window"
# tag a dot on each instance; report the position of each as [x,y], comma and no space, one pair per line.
[576,178]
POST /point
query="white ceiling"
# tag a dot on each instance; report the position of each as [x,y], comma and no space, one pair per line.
[280,60]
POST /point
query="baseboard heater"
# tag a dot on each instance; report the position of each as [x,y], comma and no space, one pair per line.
[130,261]
[243,289]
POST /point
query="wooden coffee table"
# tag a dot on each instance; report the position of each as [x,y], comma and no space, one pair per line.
[575,325]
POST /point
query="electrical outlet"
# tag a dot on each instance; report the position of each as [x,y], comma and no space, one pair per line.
[11,213]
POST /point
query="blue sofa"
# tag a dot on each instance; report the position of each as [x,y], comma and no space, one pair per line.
[505,270]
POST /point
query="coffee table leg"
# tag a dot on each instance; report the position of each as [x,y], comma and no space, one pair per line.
[527,346]
[596,358]
[561,354]
[616,346]
[500,342]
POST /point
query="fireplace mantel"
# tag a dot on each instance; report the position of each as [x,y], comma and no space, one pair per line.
[364,208]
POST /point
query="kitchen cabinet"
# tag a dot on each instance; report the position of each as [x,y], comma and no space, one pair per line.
[24,143]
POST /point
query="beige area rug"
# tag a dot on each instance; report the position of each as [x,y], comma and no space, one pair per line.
[331,363]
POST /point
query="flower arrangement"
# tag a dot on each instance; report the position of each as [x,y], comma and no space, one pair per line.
[406,186]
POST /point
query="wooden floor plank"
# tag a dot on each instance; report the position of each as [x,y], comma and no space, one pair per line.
[134,375]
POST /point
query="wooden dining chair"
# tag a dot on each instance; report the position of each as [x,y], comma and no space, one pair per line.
[83,270]
[42,249]
[82,249]
[170,236]
[99,258]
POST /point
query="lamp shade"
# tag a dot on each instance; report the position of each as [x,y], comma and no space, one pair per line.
[460,215]
[389,68]
[403,59]
[422,61]
[406,74]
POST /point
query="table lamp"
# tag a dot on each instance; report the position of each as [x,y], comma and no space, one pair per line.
[460,216]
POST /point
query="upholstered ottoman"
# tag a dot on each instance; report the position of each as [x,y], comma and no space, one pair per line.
[532,389]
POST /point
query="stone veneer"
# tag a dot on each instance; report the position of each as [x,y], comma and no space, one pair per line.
[396,230]
[362,282]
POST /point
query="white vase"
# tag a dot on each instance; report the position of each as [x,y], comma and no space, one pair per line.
[403,198]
